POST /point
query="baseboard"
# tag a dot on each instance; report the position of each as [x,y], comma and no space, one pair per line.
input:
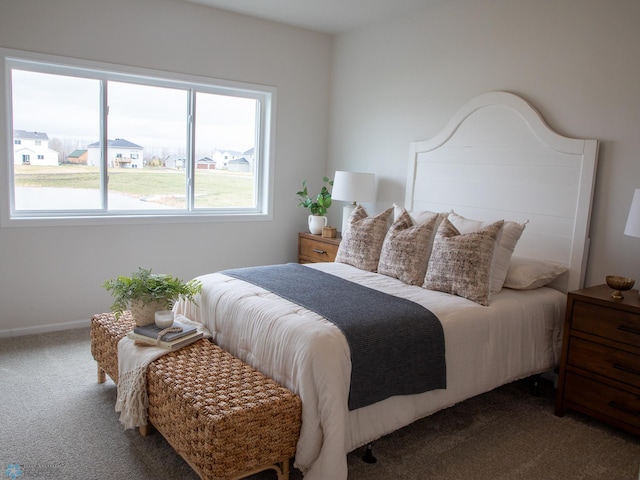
[51,327]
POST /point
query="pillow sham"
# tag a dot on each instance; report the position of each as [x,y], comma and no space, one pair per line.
[460,264]
[362,241]
[507,240]
[528,273]
[419,217]
[406,249]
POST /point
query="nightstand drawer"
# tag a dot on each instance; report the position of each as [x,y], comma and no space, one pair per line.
[606,361]
[605,322]
[612,402]
[317,251]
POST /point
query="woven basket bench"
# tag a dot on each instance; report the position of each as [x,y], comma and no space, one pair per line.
[226,419]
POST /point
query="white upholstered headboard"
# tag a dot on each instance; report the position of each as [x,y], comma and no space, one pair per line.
[497,159]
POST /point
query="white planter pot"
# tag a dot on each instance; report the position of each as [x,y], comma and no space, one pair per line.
[316,222]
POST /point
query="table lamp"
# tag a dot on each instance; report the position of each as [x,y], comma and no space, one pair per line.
[632,228]
[353,187]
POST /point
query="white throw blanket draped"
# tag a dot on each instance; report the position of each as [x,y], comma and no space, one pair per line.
[133,360]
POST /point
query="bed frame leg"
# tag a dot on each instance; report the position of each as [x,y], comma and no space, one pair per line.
[368,455]
[535,385]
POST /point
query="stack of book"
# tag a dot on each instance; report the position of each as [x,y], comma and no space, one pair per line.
[148,335]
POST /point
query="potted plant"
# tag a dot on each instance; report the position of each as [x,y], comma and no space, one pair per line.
[318,206]
[145,293]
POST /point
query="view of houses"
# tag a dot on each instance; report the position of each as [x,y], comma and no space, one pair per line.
[32,148]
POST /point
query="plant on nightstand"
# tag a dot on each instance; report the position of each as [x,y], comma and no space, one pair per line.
[318,206]
[146,293]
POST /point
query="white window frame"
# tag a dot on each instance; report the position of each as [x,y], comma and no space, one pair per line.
[265,144]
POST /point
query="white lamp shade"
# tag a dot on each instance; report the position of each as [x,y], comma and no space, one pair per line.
[354,186]
[633,220]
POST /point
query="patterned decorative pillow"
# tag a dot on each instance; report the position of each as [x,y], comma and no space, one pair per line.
[406,249]
[507,240]
[461,263]
[362,241]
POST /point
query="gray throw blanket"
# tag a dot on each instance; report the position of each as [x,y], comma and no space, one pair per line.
[397,346]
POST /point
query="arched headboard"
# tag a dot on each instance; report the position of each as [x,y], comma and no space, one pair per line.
[497,159]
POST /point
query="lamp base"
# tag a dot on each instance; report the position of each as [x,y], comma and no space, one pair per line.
[346,213]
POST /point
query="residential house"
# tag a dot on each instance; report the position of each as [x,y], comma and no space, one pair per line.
[222,157]
[206,163]
[239,165]
[175,161]
[79,157]
[121,153]
[32,148]
[249,155]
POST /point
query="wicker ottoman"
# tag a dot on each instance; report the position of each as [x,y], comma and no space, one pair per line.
[106,332]
[226,419]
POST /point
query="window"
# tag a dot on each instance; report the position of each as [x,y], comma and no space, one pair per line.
[158,145]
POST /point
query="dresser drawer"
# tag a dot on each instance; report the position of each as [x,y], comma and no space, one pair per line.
[606,361]
[612,402]
[605,322]
[317,251]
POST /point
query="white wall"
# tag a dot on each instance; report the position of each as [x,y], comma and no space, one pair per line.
[50,277]
[576,61]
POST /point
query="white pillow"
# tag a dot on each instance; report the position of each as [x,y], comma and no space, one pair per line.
[420,217]
[507,240]
[528,273]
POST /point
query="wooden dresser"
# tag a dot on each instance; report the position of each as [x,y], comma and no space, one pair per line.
[600,365]
[316,248]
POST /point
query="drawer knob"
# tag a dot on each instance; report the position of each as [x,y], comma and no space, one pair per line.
[317,250]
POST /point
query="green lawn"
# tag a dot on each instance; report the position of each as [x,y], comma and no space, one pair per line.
[213,188]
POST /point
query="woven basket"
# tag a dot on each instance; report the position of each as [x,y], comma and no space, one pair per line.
[144,314]
[106,332]
[226,419]
[221,415]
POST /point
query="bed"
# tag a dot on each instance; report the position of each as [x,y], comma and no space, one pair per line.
[495,160]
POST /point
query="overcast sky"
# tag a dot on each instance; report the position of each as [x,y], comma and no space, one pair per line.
[151,117]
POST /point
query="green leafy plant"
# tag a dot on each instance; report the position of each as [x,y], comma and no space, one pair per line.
[321,203]
[148,287]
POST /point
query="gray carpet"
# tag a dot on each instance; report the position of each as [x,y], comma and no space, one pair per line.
[57,422]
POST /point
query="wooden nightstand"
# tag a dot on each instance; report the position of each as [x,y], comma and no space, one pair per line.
[316,248]
[600,365]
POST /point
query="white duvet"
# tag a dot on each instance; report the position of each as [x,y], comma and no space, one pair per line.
[519,334]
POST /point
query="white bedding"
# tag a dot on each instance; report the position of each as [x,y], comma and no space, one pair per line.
[519,334]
